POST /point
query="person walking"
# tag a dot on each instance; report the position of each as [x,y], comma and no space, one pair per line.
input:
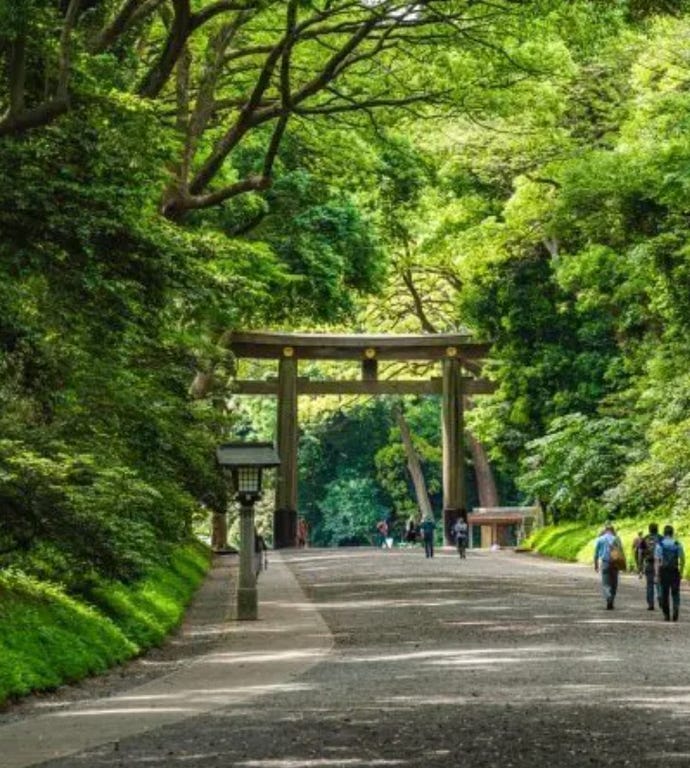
[411,531]
[646,552]
[427,528]
[609,559]
[302,532]
[669,560]
[635,548]
[460,533]
[260,554]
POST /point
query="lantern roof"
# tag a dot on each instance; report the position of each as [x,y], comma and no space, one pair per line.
[247,455]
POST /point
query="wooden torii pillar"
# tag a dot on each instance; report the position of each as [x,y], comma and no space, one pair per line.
[285,514]
[451,350]
[453,431]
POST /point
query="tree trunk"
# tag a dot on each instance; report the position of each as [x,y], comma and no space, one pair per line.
[158,75]
[415,467]
[486,483]
[202,384]
[219,532]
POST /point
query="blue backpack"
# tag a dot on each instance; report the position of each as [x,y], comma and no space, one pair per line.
[669,554]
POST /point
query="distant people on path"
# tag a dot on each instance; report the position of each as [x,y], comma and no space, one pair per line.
[646,552]
[302,532]
[411,531]
[460,534]
[609,559]
[669,560]
[427,528]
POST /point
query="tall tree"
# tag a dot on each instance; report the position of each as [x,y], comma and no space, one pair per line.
[414,467]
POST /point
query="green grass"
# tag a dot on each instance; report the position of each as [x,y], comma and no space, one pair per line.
[48,638]
[145,612]
[575,541]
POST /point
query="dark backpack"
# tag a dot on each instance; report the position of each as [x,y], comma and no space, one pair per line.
[669,555]
[647,547]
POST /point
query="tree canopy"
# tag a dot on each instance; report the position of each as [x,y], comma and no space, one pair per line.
[176,169]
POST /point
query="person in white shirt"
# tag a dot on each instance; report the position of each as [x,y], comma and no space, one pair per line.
[460,533]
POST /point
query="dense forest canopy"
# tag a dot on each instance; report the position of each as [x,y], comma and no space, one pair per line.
[174,169]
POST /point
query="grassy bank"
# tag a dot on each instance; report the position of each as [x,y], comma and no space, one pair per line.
[575,541]
[48,638]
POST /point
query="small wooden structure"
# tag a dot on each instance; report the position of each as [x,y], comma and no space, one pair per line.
[452,351]
[504,526]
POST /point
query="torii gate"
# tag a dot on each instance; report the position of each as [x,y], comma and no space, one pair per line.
[450,349]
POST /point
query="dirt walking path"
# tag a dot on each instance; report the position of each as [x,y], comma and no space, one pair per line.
[500,660]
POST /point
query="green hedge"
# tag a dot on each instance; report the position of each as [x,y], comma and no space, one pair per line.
[48,638]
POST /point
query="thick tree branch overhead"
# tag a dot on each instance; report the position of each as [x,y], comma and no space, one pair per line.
[342,57]
[249,66]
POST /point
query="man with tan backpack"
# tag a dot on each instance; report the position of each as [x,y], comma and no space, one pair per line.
[609,560]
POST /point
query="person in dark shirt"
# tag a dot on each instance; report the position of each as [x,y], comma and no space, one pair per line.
[411,531]
[383,539]
[645,562]
[260,554]
[427,528]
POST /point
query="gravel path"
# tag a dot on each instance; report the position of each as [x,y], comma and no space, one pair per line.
[500,660]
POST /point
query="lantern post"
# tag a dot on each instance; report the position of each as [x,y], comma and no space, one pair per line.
[243,465]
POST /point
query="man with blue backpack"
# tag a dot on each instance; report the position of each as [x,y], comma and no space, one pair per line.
[669,559]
